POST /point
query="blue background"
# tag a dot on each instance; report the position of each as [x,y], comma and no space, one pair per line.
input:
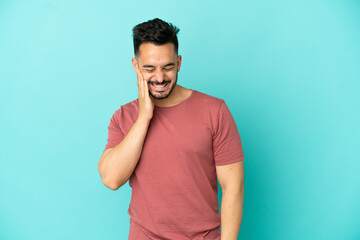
[288,70]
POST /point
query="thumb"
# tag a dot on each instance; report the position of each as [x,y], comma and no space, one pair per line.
[137,70]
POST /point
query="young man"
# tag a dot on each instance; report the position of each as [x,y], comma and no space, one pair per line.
[172,144]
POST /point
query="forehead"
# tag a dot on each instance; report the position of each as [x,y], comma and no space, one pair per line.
[150,53]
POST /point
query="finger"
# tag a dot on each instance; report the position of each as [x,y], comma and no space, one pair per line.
[137,79]
[138,72]
[139,89]
[146,88]
[140,82]
[144,85]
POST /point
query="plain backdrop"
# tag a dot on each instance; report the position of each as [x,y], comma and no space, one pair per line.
[288,70]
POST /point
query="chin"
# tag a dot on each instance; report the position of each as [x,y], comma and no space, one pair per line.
[162,95]
[159,96]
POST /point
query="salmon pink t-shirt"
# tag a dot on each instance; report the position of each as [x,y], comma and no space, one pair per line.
[174,185]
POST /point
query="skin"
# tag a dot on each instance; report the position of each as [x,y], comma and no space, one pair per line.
[118,163]
[231,176]
[231,179]
[161,64]
[158,64]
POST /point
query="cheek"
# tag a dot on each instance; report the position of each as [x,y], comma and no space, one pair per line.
[147,76]
[171,75]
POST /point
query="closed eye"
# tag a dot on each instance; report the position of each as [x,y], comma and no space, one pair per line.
[169,68]
[149,70]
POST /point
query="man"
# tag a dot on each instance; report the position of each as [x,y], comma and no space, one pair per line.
[172,144]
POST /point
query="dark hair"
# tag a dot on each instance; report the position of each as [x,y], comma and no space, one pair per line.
[155,31]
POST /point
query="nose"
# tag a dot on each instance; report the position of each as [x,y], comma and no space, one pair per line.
[159,76]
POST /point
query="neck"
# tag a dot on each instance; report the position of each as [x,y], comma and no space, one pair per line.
[176,96]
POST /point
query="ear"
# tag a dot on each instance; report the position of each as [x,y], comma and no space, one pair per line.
[135,64]
[179,58]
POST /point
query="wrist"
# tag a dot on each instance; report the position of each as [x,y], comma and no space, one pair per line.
[143,120]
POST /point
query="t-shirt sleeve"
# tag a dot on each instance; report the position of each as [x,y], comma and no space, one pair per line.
[115,134]
[227,145]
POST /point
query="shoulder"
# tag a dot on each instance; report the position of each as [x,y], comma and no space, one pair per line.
[208,100]
[130,108]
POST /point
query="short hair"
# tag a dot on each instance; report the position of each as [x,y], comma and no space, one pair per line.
[155,31]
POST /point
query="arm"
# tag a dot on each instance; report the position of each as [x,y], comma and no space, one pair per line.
[117,164]
[231,179]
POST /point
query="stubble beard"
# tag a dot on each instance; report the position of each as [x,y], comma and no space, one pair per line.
[167,95]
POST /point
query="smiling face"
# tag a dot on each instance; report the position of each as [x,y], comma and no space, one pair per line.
[159,66]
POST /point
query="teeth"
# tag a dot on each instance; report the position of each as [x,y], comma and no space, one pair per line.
[159,85]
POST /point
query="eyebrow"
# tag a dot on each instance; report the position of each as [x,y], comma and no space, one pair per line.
[152,66]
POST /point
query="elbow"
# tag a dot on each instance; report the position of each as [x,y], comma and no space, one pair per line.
[109,182]
[110,179]
[113,185]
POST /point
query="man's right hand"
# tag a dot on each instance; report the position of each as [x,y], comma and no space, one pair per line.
[146,103]
[118,163]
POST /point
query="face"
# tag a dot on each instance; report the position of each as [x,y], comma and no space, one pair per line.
[159,65]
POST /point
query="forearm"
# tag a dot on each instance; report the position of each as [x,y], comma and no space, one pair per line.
[231,213]
[118,164]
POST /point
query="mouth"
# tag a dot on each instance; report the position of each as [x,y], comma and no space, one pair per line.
[159,87]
